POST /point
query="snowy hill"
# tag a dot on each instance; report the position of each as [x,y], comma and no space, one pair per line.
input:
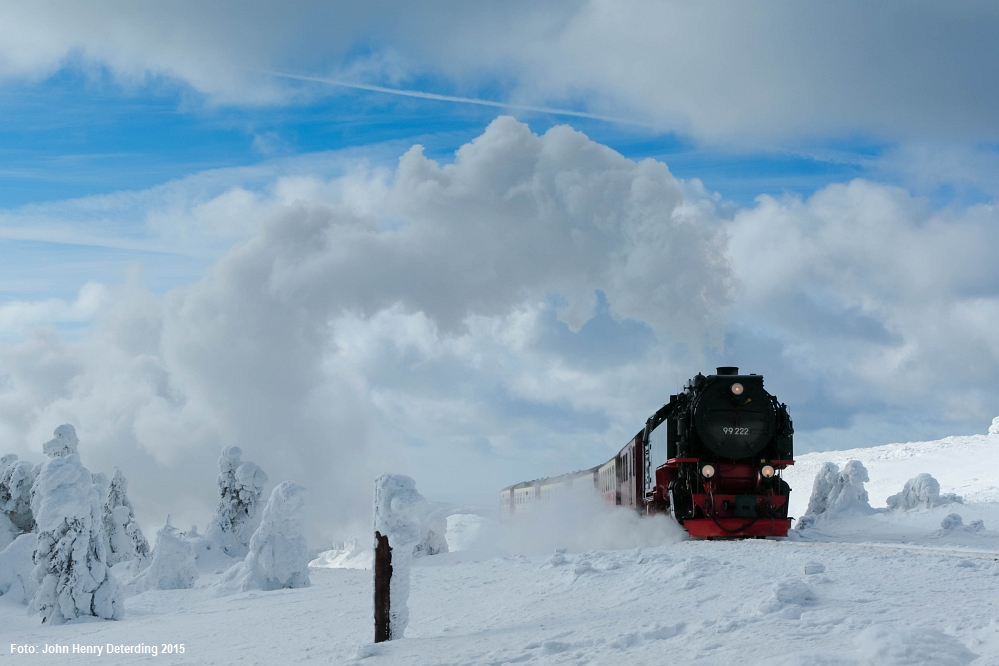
[968,466]
[862,589]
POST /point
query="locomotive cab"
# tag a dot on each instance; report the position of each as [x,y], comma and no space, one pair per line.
[726,442]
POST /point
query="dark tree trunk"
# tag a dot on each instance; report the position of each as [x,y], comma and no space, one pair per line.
[383,579]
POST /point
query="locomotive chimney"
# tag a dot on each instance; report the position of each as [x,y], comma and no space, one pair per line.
[728,370]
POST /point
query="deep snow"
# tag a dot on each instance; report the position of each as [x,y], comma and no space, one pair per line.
[886,587]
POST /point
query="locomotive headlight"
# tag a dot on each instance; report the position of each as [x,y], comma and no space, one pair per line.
[767,471]
[708,471]
[737,389]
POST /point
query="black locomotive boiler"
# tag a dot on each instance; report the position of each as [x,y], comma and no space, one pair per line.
[711,457]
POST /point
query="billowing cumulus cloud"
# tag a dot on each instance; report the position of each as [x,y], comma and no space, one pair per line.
[721,71]
[397,320]
[877,300]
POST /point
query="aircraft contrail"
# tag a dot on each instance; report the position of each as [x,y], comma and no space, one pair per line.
[461,100]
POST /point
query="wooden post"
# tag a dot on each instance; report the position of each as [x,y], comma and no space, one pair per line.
[383,579]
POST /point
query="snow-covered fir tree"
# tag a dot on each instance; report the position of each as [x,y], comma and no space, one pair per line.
[125,539]
[240,485]
[173,565]
[15,494]
[71,571]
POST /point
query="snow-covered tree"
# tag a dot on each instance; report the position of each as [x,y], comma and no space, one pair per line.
[278,556]
[65,442]
[240,485]
[837,492]
[70,561]
[172,567]
[15,494]
[125,539]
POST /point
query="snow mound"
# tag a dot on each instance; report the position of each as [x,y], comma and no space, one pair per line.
[73,578]
[891,646]
[65,443]
[16,564]
[837,493]
[278,556]
[955,523]
[994,428]
[921,492]
[398,515]
[348,556]
[172,567]
[789,595]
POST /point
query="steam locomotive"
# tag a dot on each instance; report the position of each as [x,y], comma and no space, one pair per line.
[711,457]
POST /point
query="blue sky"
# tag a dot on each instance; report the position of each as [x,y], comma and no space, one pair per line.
[195,251]
[76,134]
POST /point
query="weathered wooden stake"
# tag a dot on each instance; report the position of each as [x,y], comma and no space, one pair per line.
[383,579]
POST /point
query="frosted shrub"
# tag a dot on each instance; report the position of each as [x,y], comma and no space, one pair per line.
[921,492]
[278,556]
[240,485]
[994,428]
[70,568]
[172,566]
[125,539]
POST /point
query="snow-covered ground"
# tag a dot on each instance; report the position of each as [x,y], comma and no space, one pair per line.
[875,588]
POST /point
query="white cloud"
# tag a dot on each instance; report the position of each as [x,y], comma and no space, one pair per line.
[17,316]
[739,73]
[889,304]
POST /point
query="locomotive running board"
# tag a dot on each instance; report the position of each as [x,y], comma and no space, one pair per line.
[737,527]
